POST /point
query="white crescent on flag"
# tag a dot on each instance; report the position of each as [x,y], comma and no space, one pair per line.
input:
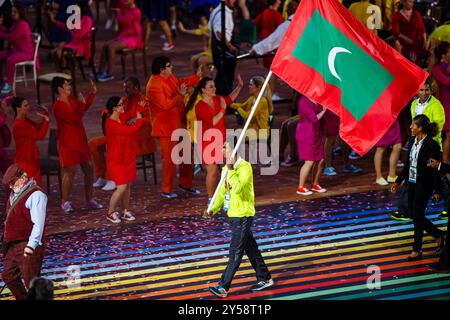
[331,57]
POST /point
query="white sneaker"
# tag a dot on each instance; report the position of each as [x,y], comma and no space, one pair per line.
[127,215]
[99,183]
[382,181]
[109,186]
[276,97]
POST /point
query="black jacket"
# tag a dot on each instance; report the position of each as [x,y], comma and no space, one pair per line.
[426,176]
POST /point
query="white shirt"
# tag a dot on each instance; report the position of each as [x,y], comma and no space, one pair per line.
[215,22]
[413,156]
[273,41]
[420,107]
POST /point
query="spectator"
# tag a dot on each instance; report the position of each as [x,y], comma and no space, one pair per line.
[158,11]
[21,45]
[80,38]
[129,36]
[441,73]
[224,57]
[408,27]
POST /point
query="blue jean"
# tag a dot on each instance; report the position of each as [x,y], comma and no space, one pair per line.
[242,240]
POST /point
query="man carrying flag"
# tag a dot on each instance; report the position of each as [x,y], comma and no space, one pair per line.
[333,59]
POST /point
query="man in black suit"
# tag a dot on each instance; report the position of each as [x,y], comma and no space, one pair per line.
[444,259]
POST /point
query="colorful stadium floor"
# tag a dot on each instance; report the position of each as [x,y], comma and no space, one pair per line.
[315,249]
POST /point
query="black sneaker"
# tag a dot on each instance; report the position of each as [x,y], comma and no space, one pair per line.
[444,214]
[399,216]
[219,291]
[262,285]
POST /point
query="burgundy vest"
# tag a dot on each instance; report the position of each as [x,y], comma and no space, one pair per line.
[18,224]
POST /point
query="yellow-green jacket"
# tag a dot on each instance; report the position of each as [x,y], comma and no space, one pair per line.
[242,196]
[435,112]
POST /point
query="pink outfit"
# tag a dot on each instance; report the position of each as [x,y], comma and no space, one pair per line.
[392,137]
[81,38]
[130,29]
[442,77]
[330,124]
[22,47]
[309,138]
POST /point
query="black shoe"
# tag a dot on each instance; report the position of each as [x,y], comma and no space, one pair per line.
[219,291]
[399,216]
[415,258]
[261,285]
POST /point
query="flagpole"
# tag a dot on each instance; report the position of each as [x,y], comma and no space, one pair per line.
[241,137]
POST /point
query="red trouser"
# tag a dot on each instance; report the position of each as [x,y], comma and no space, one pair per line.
[169,169]
[98,156]
[17,267]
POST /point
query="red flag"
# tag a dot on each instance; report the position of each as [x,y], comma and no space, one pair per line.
[333,59]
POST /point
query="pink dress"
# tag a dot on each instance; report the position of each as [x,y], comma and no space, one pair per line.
[392,137]
[442,77]
[130,29]
[81,38]
[309,134]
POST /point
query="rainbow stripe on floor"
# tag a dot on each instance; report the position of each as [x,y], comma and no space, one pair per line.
[315,249]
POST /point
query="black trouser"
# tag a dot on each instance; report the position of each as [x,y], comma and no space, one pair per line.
[403,201]
[418,197]
[242,240]
[225,65]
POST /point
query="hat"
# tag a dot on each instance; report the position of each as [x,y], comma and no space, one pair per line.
[13,172]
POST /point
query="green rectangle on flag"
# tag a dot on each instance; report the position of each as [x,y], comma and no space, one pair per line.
[342,63]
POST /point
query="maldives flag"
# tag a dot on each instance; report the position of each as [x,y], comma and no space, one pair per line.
[333,59]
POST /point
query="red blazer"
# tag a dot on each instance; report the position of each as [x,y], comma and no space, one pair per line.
[166,103]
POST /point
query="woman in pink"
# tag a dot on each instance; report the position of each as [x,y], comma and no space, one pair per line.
[130,36]
[310,144]
[210,111]
[441,73]
[408,27]
[5,160]
[21,45]
[81,38]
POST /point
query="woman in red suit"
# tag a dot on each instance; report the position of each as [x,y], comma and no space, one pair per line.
[120,157]
[72,141]
[210,110]
[26,133]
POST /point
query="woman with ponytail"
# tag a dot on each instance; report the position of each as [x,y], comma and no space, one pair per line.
[120,157]
[422,181]
[261,119]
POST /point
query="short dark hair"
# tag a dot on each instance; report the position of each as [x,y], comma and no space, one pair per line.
[441,50]
[17,103]
[159,63]
[57,82]
[134,81]
[41,289]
